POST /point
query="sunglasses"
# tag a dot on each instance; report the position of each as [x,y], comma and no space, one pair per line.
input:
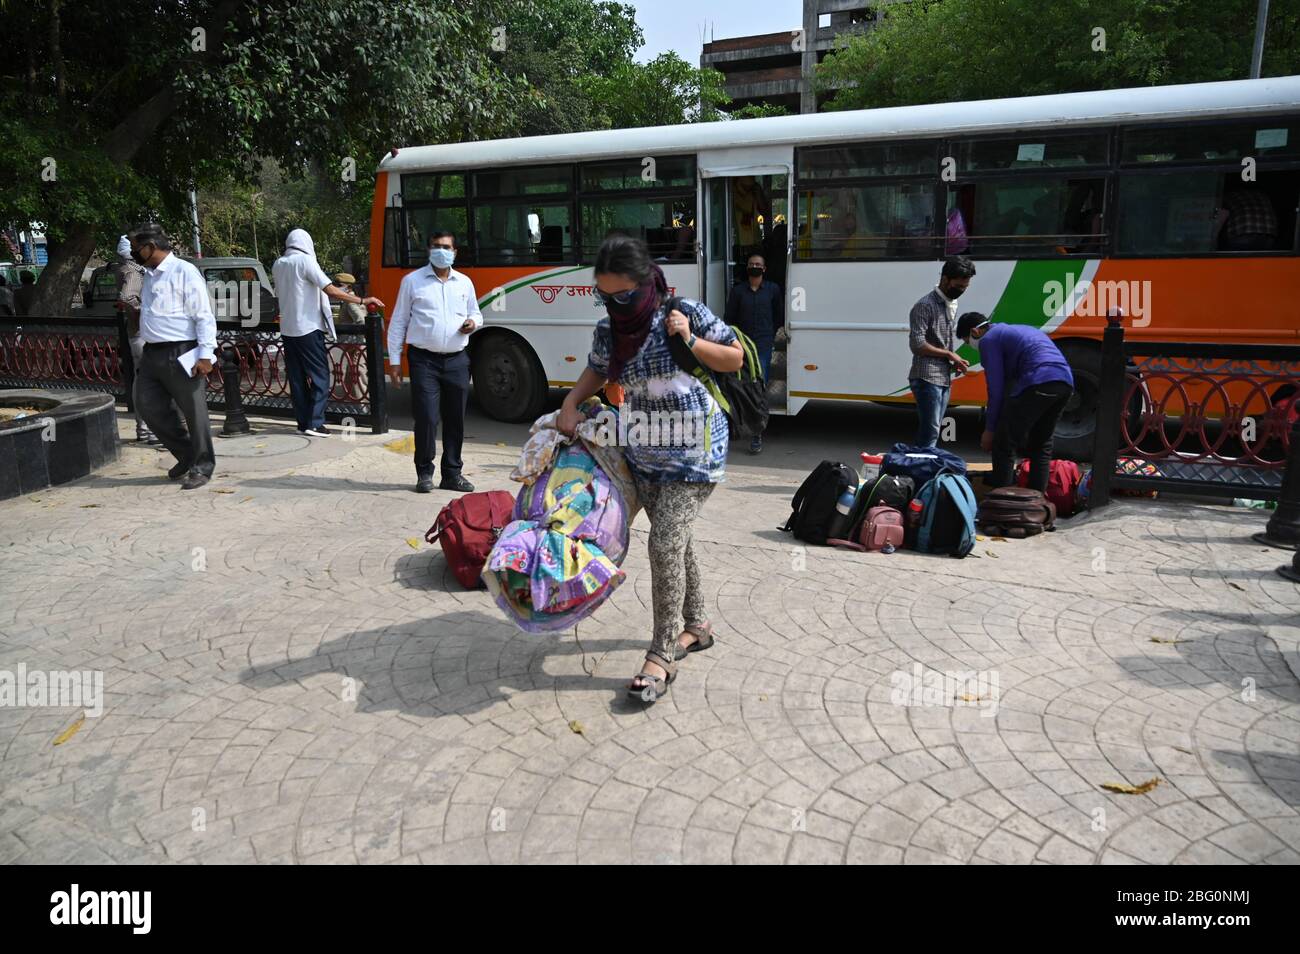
[618,298]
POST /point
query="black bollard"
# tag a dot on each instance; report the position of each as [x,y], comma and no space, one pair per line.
[236,420]
[1291,572]
[1283,528]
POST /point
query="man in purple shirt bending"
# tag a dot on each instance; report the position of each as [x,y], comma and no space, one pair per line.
[1029,383]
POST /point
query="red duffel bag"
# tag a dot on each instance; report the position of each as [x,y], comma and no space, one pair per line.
[1062,484]
[468,527]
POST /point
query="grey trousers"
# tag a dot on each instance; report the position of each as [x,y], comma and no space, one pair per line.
[674,571]
[137,355]
[163,381]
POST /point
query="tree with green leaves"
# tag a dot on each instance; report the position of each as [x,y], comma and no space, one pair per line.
[933,51]
[115,108]
[553,45]
[664,92]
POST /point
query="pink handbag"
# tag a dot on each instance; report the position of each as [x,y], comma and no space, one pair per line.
[881,525]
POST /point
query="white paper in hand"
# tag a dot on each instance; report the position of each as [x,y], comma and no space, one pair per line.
[188,360]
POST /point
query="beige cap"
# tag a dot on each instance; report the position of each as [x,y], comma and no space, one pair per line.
[345,278]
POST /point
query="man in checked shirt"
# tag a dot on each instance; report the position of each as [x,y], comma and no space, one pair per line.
[931,337]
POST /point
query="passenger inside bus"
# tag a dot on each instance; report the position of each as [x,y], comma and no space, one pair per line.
[1247,220]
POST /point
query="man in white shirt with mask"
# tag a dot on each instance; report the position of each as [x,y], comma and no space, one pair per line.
[436,311]
[175,319]
[303,291]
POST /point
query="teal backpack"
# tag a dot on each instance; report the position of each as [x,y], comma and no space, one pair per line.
[947,515]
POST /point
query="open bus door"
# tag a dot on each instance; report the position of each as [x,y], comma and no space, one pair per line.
[747,208]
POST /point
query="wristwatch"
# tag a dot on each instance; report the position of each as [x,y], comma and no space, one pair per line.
[691,343]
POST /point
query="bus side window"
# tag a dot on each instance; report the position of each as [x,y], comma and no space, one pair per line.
[1032,216]
[1258,216]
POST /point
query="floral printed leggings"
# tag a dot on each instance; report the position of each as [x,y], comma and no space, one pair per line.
[674,571]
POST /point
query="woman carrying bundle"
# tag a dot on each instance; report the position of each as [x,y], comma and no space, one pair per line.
[675,469]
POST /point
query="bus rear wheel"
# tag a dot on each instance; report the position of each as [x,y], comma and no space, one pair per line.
[508,380]
[1077,427]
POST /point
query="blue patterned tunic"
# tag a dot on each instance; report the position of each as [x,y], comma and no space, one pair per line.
[684,436]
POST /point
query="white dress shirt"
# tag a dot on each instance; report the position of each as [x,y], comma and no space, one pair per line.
[174,306]
[298,283]
[429,312]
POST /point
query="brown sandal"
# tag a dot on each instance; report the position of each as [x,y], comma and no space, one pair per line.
[654,687]
[703,633]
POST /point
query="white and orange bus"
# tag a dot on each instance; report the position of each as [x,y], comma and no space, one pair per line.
[1175,204]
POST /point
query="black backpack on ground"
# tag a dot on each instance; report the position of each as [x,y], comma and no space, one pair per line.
[889,490]
[742,394]
[813,506]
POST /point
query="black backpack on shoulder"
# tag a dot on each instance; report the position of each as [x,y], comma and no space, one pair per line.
[813,506]
[742,394]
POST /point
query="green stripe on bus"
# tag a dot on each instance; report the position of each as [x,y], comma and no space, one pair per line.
[525,282]
[1021,302]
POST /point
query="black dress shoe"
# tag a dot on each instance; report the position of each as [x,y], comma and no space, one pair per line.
[457,483]
[194,479]
[177,472]
[424,484]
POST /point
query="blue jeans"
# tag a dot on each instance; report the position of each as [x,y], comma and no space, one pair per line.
[306,363]
[931,404]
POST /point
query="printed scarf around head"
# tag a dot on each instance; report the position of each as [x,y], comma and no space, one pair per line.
[629,332]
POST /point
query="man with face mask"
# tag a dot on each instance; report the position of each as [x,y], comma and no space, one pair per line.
[436,311]
[756,306]
[931,338]
[175,320]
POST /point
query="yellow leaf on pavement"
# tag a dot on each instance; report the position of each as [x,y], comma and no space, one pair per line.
[413,542]
[403,445]
[577,727]
[1124,788]
[1163,639]
[70,731]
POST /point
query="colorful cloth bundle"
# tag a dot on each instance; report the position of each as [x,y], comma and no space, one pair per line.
[559,558]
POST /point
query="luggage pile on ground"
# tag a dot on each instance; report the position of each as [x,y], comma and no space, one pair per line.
[919,498]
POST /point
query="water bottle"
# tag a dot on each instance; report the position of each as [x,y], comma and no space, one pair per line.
[913,522]
[870,468]
[840,522]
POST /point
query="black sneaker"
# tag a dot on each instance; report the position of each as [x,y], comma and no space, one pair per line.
[177,472]
[756,445]
[321,431]
[457,483]
[424,483]
[194,479]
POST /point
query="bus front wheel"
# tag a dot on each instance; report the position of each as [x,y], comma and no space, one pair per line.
[508,380]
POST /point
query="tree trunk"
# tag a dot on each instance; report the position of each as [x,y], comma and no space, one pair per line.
[59,280]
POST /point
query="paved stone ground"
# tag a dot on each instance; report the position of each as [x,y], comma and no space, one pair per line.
[225,686]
